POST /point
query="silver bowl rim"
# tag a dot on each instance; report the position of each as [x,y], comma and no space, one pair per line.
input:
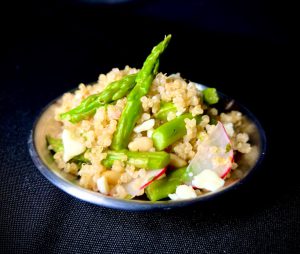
[139,205]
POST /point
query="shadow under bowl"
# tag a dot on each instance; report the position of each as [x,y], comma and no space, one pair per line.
[42,158]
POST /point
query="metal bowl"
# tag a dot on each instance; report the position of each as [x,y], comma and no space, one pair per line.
[45,124]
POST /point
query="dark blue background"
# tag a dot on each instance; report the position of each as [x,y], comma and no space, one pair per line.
[241,47]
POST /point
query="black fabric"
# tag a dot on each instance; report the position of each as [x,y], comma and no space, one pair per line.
[60,47]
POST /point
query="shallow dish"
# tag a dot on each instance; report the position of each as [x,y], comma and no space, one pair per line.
[43,160]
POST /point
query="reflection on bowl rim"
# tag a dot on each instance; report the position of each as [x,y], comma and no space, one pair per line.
[137,205]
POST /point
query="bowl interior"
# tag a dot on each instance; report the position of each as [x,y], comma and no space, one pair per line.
[46,125]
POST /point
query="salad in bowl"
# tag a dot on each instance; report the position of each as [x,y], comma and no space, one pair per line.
[140,134]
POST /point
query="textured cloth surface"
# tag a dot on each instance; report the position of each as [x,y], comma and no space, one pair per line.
[36,217]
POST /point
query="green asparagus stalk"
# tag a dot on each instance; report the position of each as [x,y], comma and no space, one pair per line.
[112,92]
[56,145]
[133,108]
[160,189]
[210,95]
[171,131]
[165,109]
[147,160]
[79,159]
[129,117]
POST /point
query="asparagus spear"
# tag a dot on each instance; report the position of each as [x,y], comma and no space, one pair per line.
[126,124]
[165,109]
[160,189]
[170,132]
[89,106]
[56,145]
[210,96]
[147,160]
[133,107]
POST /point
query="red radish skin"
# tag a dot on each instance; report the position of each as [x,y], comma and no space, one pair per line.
[228,170]
[226,173]
[154,178]
[225,133]
[136,186]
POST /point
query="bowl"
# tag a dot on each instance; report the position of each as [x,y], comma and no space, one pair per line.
[42,158]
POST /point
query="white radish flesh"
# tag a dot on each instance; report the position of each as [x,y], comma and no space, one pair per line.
[214,153]
[183,192]
[208,180]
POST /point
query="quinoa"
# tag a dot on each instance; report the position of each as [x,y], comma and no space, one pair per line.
[96,132]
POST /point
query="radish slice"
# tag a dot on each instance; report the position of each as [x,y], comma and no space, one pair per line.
[154,178]
[215,153]
[137,185]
